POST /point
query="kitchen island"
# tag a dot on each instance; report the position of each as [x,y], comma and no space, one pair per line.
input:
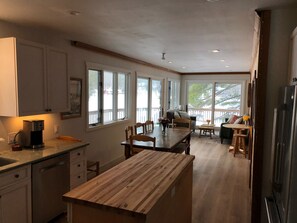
[150,187]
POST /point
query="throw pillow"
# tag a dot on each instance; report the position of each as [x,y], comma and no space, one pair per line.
[184,115]
[238,121]
[176,114]
[232,119]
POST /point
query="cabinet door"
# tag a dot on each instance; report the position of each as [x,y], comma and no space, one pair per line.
[57,80]
[15,203]
[31,78]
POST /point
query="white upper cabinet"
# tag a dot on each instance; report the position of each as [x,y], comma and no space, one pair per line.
[293,59]
[57,80]
[33,78]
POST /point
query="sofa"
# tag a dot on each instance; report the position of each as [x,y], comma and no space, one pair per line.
[227,133]
[172,114]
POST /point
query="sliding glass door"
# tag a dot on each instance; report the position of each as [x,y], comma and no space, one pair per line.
[149,99]
[227,101]
[213,101]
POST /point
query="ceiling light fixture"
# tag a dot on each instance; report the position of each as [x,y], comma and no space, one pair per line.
[212,0]
[183,67]
[169,61]
[215,51]
[227,66]
[75,13]
[222,60]
[163,56]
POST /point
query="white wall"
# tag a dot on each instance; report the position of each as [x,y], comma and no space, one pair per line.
[283,22]
[104,142]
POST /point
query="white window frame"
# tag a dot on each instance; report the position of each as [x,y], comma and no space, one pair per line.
[150,79]
[213,82]
[101,68]
[176,92]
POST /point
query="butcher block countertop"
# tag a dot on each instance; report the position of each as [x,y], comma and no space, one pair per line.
[134,186]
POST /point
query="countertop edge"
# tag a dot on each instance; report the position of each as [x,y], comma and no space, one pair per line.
[19,163]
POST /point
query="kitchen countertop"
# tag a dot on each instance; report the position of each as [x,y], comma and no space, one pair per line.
[26,156]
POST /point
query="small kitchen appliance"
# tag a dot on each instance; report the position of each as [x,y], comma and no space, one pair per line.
[33,132]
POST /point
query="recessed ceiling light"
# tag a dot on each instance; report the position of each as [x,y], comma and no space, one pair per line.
[169,61]
[227,66]
[222,60]
[183,67]
[215,51]
[75,13]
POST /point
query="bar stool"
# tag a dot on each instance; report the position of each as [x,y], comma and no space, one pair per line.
[239,145]
[93,167]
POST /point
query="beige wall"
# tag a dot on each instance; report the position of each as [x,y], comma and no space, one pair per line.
[104,142]
[283,22]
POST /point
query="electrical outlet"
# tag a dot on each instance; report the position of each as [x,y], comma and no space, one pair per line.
[10,137]
[56,129]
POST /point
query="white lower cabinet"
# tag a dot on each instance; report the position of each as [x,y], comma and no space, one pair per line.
[78,168]
[15,196]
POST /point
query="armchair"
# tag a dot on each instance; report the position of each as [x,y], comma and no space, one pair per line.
[225,133]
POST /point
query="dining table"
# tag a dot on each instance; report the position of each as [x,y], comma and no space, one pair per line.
[166,141]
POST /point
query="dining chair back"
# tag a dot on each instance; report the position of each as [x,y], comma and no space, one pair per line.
[139,128]
[141,138]
[128,132]
[149,126]
[181,123]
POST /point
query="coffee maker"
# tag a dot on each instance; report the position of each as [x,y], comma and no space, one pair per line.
[33,130]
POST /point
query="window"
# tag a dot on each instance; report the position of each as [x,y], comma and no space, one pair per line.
[149,99]
[173,94]
[214,101]
[107,95]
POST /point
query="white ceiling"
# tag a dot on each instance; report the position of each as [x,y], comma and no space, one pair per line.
[186,30]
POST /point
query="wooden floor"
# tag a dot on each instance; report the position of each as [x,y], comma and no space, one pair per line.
[220,183]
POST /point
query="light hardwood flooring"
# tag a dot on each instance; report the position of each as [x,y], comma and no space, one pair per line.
[220,183]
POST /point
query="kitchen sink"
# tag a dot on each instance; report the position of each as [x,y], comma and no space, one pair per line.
[6,161]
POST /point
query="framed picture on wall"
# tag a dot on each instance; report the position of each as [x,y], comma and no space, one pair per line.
[75,94]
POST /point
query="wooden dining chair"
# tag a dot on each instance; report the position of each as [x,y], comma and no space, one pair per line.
[181,123]
[141,138]
[149,126]
[139,128]
[128,132]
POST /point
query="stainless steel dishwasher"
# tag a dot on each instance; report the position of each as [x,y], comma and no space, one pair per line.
[50,180]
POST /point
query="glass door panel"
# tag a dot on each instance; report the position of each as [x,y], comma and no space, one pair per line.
[200,101]
[227,101]
[142,99]
[156,98]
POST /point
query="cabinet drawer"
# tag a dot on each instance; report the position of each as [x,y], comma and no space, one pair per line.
[77,179]
[15,175]
[77,167]
[77,154]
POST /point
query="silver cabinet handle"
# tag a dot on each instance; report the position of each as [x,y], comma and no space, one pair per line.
[52,166]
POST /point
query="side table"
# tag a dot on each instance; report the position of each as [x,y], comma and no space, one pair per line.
[206,128]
